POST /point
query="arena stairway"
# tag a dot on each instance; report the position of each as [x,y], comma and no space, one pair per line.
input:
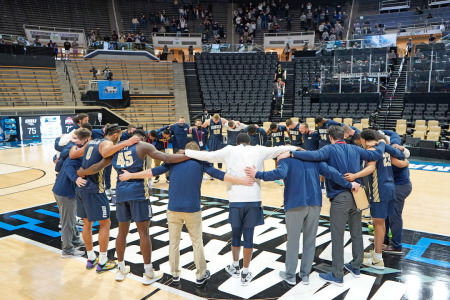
[288,107]
[193,92]
[393,101]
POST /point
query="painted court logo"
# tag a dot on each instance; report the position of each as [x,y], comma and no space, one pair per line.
[420,253]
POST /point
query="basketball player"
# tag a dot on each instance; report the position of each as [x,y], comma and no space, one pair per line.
[215,139]
[277,132]
[302,203]
[160,139]
[184,207]
[233,129]
[80,119]
[93,205]
[99,134]
[382,193]
[322,127]
[245,201]
[394,222]
[310,137]
[349,133]
[258,135]
[345,159]
[294,133]
[132,200]
[64,192]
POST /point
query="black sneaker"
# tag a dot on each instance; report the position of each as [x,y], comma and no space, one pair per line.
[246,278]
[202,280]
[156,180]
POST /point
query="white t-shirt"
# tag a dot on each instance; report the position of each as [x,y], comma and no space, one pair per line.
[237,158]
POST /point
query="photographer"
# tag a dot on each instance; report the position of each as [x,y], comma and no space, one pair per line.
[107,73]
[94,73]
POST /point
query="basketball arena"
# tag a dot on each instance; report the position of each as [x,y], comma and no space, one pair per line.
[225,149]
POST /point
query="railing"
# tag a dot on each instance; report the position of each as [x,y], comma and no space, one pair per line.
[437,2]
[121,46]
[72,90]
[388,110]
[218,48]
[171,34]
[394,5]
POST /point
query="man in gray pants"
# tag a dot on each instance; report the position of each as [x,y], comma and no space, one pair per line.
[64,192]
[302,203]
[345,158]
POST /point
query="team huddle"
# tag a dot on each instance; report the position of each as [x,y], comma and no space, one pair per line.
[345,157]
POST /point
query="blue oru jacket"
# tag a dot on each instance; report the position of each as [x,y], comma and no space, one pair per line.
[345,159]
[301,180]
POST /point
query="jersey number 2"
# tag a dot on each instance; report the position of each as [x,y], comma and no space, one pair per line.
[124,159]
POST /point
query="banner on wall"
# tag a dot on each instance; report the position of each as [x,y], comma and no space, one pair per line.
[109,89]
[380,41]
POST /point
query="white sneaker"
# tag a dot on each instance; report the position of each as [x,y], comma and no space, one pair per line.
[153,277]
[109,192]
[246,278]
[233,271]
[75,253]
[122,273]
[205,177]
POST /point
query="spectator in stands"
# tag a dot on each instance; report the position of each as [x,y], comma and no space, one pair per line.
[287,50]
[392,59]
[143,20]
[191,53]
[49,45]
[318,84]
[142,38]
[409,46]
[129,38]
[204,39]
[288,23]
[432,39]
[280,73]
[75,48]
[303,21]
[67,47]
[418,11]
[165,52]
[3,42]
[419,54]
[135,23]
[37,42]
[107,39]
[309,17]
[278,92]
[114,37]
[55,48]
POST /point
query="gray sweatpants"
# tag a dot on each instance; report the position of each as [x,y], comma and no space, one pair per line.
[70,235]
[343,208]
[298,219]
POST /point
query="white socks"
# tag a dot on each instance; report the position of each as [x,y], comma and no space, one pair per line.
[148,268]
[236,264]
[378,256]
[244,270]
[102,258]
[121,264]
[91,255]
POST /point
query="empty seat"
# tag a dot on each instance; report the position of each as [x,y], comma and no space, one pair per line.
[419,134]
[400,129]
[348,121]
[433,136]
[419,122]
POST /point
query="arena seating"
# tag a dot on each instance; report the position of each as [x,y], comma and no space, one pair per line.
[144,76]
[422,111]
[239,85]
[405,19]
[22,86]
[85,14]
[149,111]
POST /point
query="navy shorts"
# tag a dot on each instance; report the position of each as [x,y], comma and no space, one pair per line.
[93,206]
[382,209]
[246,216]
[135,210]
[215,144]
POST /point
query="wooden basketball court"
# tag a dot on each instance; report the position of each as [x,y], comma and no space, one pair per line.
[34,270]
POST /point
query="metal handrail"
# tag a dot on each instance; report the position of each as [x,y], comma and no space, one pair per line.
[72,90]
[400,69]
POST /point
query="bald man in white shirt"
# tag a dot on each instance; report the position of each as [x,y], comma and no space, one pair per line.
[245,201]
